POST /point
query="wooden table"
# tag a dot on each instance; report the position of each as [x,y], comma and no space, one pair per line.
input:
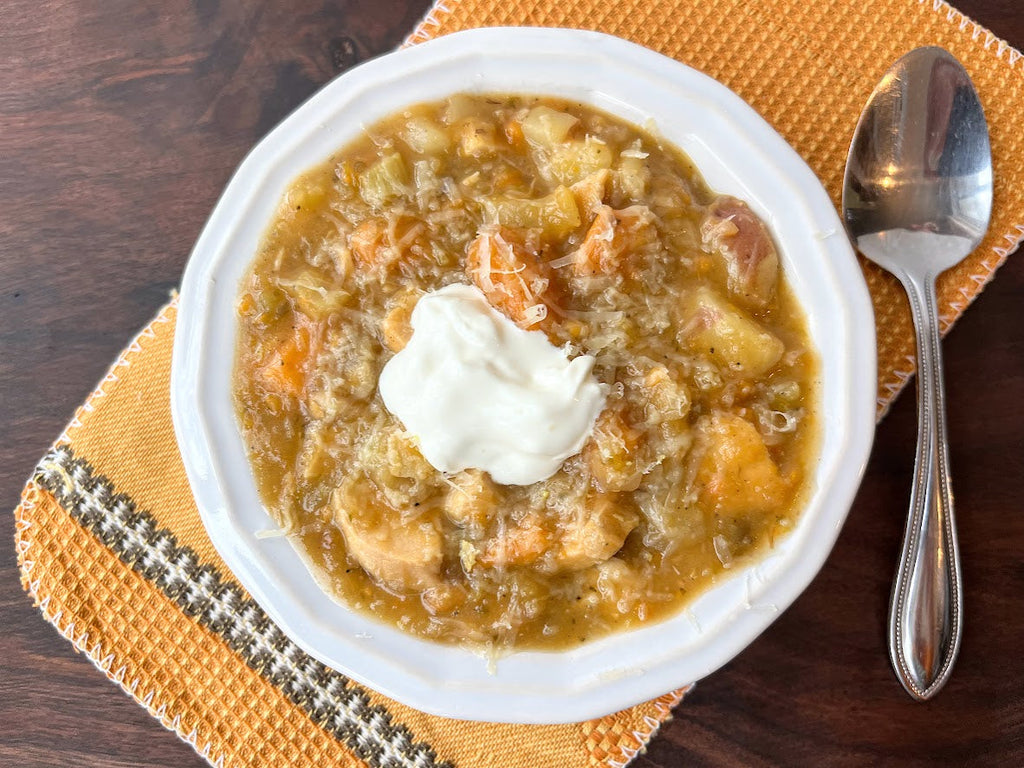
[120,122]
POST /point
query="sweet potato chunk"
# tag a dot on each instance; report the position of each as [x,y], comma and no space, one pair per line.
[380,244]
[396,327]
[590,192]
[511,276]
[366,241]
[612,238]
[284,371]
[735,474]
[596,529]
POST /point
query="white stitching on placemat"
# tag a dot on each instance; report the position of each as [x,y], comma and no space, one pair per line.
[942,7]
[644,735]
[203,595]
[431,22]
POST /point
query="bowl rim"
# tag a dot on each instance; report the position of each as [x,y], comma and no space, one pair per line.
[531,687]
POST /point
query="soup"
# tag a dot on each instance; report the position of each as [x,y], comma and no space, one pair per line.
[586,233]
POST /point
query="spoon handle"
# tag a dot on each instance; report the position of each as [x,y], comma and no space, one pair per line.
[926,611]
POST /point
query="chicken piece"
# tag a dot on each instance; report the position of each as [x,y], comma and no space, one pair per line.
[612,453]
[613,237]
[402,553]
[667,395]
[732,230]
[393,463]
[618,583]
[521,543]
[471,502]
[596,533]
[396,327]
[444,599]
[591,192]
[512,277]
[735,475]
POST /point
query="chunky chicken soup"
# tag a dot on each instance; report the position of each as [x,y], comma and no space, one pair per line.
[511,376]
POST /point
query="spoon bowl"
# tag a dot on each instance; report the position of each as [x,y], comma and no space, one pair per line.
[917,199]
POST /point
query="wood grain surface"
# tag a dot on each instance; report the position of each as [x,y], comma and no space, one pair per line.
[120,123]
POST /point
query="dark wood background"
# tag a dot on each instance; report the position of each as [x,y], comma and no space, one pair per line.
[120,122]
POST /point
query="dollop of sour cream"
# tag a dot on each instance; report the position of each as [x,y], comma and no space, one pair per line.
[479,392]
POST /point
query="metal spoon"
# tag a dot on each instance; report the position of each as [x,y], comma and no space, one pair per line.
[916,200]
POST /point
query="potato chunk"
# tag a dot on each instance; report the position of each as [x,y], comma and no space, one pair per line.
[731,229]
[383,181]
[403,555]
[729,336]
[424,136]
[547,127]
[735,474]
[631,179]
[574,160]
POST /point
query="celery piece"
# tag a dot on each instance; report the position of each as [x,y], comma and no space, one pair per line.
[556,214]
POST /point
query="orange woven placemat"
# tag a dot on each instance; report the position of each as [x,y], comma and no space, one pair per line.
[110,542]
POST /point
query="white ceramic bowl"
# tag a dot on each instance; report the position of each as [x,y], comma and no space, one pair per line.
[738,153]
